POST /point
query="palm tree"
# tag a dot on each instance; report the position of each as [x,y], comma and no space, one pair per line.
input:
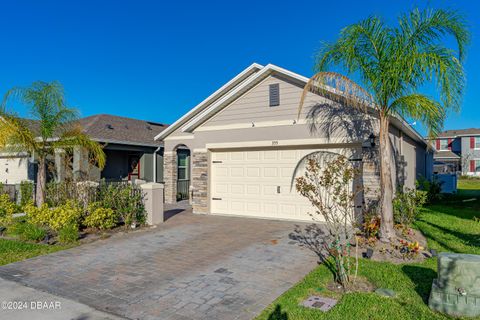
[387,67]
[53,126]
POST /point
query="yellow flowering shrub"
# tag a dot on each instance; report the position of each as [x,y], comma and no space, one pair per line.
[100,218]
[54,218]
[7,209]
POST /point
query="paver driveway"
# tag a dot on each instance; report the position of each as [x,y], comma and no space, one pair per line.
[191,267]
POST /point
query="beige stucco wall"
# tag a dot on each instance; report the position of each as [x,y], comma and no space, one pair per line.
[250,118]
[13,170]
[249,121]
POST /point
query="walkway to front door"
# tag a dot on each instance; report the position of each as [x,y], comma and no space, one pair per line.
[191,267]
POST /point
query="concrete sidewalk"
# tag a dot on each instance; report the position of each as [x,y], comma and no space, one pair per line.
[40,305]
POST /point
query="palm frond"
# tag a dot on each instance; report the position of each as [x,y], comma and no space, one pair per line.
[76,138]
[337,88]
[422,27]
[422,108]
[15,135]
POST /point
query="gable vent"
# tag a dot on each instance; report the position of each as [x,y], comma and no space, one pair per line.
[274,92]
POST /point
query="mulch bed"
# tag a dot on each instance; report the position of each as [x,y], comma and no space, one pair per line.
[390,252]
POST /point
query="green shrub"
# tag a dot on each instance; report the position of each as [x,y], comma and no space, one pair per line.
[27,231]
[125,199]
[7,209]
[433,188]
[26,193]
[68,234]
[407,205]
[55,218]
[100,218]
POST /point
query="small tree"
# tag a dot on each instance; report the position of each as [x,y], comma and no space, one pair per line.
[384,69]
[53,126]
[328,185]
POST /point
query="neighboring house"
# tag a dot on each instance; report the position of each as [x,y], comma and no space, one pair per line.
[458,151]
[238,149]
[128,144]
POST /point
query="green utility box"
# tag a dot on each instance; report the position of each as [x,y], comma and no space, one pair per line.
[456,291]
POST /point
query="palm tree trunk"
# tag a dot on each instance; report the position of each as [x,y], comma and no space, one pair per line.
[41,181]
[386,227]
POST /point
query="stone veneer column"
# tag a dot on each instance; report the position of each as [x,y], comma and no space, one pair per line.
[170,176]
[371,178]
[200,182]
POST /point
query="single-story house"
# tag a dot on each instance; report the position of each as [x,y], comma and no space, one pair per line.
[128,144]
[236,151]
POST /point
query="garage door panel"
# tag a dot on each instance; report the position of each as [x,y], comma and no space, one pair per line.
[253,207]
[253,189]
[221,188]
[237,172]
[253,155]
[270,209]
[253,172]
[270,172]
[247,182]
[238,206]
[269,190]
[237,189]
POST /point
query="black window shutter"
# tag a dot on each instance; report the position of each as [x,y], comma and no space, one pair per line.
[274,90]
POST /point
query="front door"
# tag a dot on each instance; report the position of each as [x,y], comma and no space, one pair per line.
[133,167]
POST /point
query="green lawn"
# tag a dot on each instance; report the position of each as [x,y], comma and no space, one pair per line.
[13,250]
[449,226]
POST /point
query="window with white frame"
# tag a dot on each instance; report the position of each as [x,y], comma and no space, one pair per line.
[183,160]
[443,144]
[477,142]
[477,165]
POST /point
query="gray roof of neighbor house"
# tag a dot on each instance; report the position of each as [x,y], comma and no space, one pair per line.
[446,154]
[115,129]
[459,132]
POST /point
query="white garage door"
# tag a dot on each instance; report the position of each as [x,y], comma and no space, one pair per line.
[258,184]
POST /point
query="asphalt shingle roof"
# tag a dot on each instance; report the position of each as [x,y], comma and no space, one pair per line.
[453,133]
[114,129]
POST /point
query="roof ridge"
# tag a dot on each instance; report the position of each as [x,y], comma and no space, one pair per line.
[90,123]
[103,115]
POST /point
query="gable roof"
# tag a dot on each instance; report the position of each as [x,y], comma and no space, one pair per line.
[236,81]
[459,132]
[243,82]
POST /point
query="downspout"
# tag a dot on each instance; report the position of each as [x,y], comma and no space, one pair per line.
[155,164]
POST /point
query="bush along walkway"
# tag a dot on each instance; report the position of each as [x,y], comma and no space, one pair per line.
[450,226]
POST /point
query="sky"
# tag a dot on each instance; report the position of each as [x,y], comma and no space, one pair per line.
[155,60]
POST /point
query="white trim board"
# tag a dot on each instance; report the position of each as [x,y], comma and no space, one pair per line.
[195,117]
[317,142]
[246,125]
[187,137]
[218,105]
